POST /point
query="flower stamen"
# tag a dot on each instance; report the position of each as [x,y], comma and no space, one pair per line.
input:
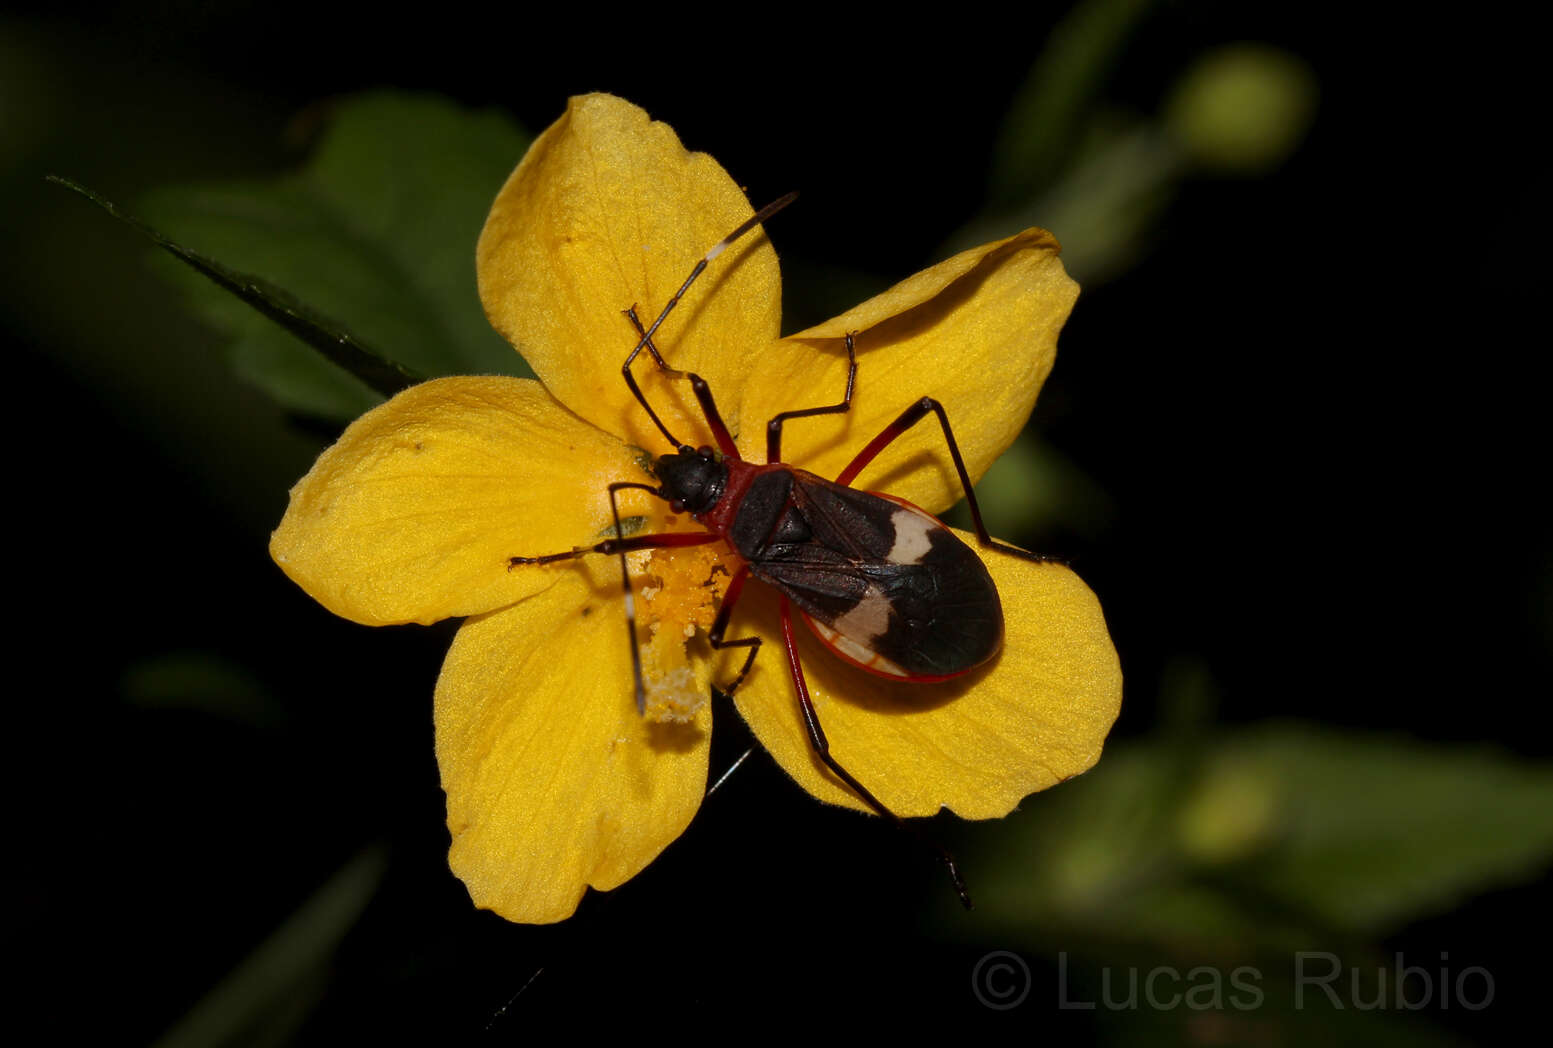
[688,587]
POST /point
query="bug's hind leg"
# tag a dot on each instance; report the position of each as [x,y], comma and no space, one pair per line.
[774,427]
[910,417]
[821,746]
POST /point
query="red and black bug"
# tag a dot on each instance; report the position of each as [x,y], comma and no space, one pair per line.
[884,585]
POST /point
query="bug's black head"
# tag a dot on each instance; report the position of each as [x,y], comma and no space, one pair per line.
[692,479]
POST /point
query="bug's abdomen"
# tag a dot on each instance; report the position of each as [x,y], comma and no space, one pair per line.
[919,622]
[894,591]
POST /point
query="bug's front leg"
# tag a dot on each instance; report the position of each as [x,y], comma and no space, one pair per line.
[669,540]
[620,546]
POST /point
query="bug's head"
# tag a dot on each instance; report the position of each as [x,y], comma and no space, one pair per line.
[693,479]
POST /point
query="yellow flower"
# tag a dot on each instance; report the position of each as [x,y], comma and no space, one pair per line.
[554,781]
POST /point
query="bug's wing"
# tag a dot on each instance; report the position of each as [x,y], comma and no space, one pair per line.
[885,584]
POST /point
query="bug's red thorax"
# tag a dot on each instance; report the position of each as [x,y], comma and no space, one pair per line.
[741,474]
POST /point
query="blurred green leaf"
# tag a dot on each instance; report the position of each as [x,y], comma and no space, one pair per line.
[1279,837]
[378,230]
[202,682]
[360,368]
[268,995]
[1087,857]
[1031,489]
[1100,180]
[1101,208]
[1188,699]
[1044,120]
[1375,831]
[1095,178]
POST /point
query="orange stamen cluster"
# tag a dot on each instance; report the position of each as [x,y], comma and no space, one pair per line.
[686,590]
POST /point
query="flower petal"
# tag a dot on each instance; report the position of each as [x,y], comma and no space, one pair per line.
[977,332]
[608,210]
[977,744]
[413,514]
[554,782]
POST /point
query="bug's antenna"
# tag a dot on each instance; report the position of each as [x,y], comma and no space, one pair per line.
[620,546]
[625,582]
[646,341]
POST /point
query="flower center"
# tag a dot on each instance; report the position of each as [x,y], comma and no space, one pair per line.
[685,590]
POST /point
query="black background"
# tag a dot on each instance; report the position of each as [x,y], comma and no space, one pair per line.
[1314,404]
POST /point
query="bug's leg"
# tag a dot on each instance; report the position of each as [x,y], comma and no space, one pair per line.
[821,746]
[646,336]
[621,545]
[910,417]
[720,626]
[703,392]
[774,427]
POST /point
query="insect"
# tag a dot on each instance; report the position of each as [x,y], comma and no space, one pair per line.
[884,585]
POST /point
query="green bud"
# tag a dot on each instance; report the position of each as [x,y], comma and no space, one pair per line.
[1242,109]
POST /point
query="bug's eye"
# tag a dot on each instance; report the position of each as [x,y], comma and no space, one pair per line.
[704,451]
[676,505]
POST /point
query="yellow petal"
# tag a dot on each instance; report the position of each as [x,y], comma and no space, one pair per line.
[413,514]
[977,332]
[554,782]
[608,210]
[978,744]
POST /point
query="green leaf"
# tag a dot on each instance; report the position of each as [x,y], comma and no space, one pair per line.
[201,682]
[378,229]
[371,370]
[1278,837]
[1044,119]
[269,994]
[1372,832]
[1031,489]
[1103,206]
